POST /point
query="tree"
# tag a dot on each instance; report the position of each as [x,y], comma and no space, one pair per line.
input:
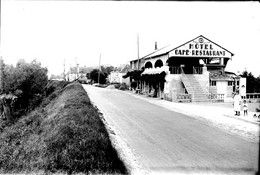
[6,102]
[253,84]
[5,109]
[94,76]
[107,69]
[26,81]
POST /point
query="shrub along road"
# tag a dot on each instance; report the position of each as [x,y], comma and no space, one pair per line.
[170,142]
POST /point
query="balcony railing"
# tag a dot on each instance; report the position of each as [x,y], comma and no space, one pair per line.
[197,70]
[179,70]
[175,70]
[253,96]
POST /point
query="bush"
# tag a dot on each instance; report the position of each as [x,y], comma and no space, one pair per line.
[95,73]
[28,80]
[123,87]
[134,85]
[117,85]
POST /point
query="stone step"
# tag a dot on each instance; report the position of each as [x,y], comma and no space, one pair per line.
[193,87]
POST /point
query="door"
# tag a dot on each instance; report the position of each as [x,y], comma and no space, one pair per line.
[222,89]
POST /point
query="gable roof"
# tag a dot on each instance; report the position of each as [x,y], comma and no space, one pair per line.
[122,68]
[158,52]
[207,40]
[169,48]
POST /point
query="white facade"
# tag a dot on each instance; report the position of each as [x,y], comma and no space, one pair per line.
[74,76]
[117,77]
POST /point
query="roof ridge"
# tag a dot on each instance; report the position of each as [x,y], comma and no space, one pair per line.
[218,45]
[157,50]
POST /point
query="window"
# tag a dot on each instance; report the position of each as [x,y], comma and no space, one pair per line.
[158,63]
[214,61]
[213,83]
[230,83]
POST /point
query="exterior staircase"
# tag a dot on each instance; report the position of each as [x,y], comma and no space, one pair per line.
[198,93]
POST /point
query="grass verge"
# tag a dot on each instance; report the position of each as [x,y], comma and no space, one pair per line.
[64,135]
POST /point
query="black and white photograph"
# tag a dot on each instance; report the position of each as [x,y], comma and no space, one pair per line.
[129,87]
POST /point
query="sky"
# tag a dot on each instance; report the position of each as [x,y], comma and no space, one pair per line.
[70,32]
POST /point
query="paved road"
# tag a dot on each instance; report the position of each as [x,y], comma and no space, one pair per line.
[170,142]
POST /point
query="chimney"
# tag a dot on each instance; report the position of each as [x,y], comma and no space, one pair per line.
[155,47]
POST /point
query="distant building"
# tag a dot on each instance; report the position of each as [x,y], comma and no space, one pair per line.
[116,76]
[78,72]
[193,71]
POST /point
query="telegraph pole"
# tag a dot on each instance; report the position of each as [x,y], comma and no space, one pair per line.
[77,68]
[64,73]
[99,68]
[138,51]
[138,67]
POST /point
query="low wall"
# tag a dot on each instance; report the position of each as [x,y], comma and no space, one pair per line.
[173,86]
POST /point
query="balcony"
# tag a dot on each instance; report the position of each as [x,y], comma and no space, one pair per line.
[180,70]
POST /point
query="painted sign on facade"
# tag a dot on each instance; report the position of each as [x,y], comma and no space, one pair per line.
[200,47]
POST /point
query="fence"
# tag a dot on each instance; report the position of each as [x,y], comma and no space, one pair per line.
[175,70]
[184,97]
[252,96]
[216,97]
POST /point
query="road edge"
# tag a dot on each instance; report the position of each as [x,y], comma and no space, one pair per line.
[134,167]
[223,127]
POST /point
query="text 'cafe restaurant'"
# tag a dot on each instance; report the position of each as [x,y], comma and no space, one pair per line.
[192,72]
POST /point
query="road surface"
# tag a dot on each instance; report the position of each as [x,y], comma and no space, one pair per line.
[170,142]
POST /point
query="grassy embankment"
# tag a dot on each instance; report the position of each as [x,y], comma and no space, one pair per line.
[64,135]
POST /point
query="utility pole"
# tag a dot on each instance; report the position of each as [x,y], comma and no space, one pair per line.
[138,67]
[99,68]
[64,73]
[77,68]
[138,51]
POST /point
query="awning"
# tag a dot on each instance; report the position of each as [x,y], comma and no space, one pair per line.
[157,70]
